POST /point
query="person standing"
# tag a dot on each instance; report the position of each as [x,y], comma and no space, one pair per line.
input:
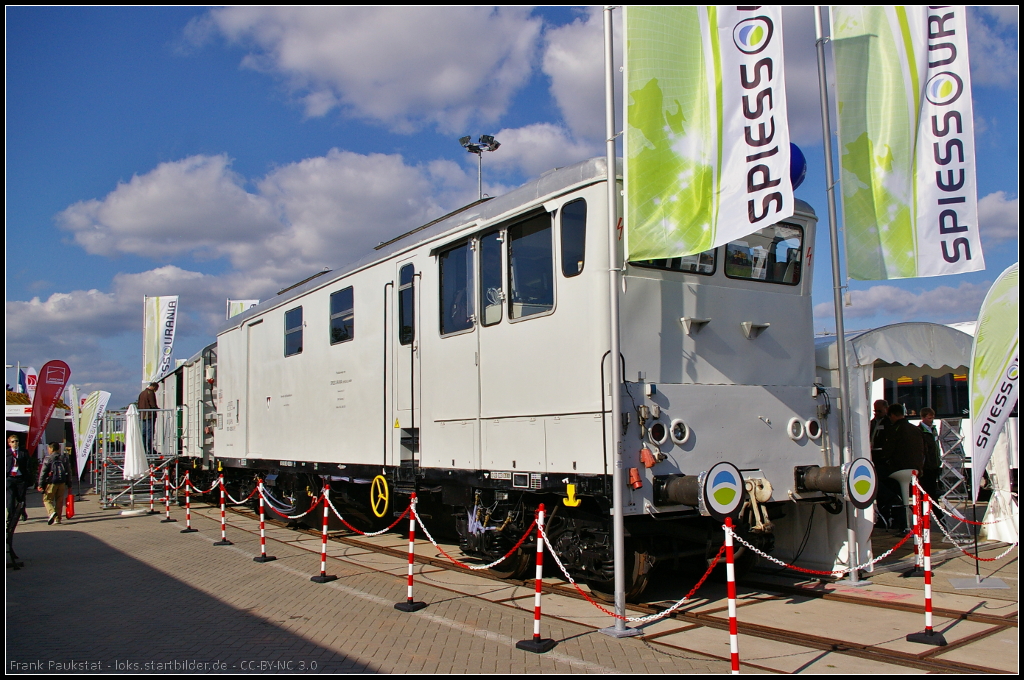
[17,472]
[54,481]
[904,443]
[147,415]
[932,453]
[878,426]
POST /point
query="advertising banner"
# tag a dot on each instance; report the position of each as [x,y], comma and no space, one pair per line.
[27,379]
[53,378]
[707,150]
[236,307]
[89,421]
[161,315]
[995,366]
[906,141]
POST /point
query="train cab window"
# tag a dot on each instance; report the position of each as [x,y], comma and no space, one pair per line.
[457,299]
[771,254]
[574,237]
[406,327]
[701,263]
[491,295]
[293,332]
[531,268]
[342,316]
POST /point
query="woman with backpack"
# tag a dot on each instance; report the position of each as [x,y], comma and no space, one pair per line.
[54,481]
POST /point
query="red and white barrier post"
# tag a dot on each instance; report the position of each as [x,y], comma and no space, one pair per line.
[188,506]
[263,557]
[223,521]
[915,495]
[324,577]
[730,575]
[152,511]
[929,636]
[537,644]
[410,605]
[167,499]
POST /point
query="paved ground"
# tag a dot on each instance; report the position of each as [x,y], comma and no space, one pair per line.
[110,593]
[106,592]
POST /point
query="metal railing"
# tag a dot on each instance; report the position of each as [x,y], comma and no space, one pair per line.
[161,439]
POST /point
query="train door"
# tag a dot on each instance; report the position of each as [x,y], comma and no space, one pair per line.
[234,409]
[406,388]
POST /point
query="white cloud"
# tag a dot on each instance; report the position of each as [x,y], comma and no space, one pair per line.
[536,148]
[398,65]
[994,45]
[999,217]
[884,304]
[188,206]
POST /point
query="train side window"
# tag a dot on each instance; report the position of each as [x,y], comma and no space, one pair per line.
[531,268]
[702,263]
[456,277]
[342,316]
[491,294]
[293,332]
[406,328]
[771,254]
[574,237]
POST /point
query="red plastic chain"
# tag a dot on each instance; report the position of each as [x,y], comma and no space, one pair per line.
[281,514]
[514,548]
[843,571]
[363,533]
[693,590]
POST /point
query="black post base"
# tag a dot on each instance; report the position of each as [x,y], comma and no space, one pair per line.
[323,578]
[409,606]
[166,521]
[189,530]
[224,542]
[915,572]
[928,638]
[536,645]
[264,558]
[151,512]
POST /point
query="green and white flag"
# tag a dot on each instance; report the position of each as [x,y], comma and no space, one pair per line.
[88,424]
[707,134]
[906,137]
[161,315]
[236,307]
[995,366]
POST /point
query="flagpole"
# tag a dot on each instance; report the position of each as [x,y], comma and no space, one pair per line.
[837,292]
[618,531]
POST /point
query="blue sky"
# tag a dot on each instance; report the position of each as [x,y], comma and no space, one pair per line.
[231,152]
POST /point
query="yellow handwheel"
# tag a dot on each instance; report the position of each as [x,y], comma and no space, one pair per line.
[379,496]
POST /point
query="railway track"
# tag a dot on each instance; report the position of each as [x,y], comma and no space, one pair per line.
[716,617]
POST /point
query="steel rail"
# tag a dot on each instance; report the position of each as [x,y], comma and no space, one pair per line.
[707,618]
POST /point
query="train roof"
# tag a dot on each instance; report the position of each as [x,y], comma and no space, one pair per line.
[549,185]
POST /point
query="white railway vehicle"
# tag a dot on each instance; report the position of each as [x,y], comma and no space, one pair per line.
[468,360]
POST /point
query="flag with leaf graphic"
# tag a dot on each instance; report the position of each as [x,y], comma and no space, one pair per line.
[906,141]
[707,136]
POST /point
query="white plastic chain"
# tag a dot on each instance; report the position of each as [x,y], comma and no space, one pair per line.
[311,508]
[959,517]
[951,540]
[338,515]
[472,567]
[631,619]
[837,572]
[241,501]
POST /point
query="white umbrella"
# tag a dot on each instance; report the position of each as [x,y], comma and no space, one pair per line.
[135,464]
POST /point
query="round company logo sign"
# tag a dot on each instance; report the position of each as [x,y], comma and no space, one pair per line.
[861,483]
[944,88]
[723,490]
[753,35]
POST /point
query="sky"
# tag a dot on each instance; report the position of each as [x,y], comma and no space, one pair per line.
[216,153]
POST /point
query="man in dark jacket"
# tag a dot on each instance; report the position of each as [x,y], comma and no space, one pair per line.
[147,415]
[932,453]
[54,481]
[904,444]
[17,470]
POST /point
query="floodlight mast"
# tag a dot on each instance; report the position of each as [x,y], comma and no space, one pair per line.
[485,143]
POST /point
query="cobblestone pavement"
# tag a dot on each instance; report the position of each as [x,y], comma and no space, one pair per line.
[105,593]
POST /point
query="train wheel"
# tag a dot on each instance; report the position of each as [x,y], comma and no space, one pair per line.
[515,565]
[638,568]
